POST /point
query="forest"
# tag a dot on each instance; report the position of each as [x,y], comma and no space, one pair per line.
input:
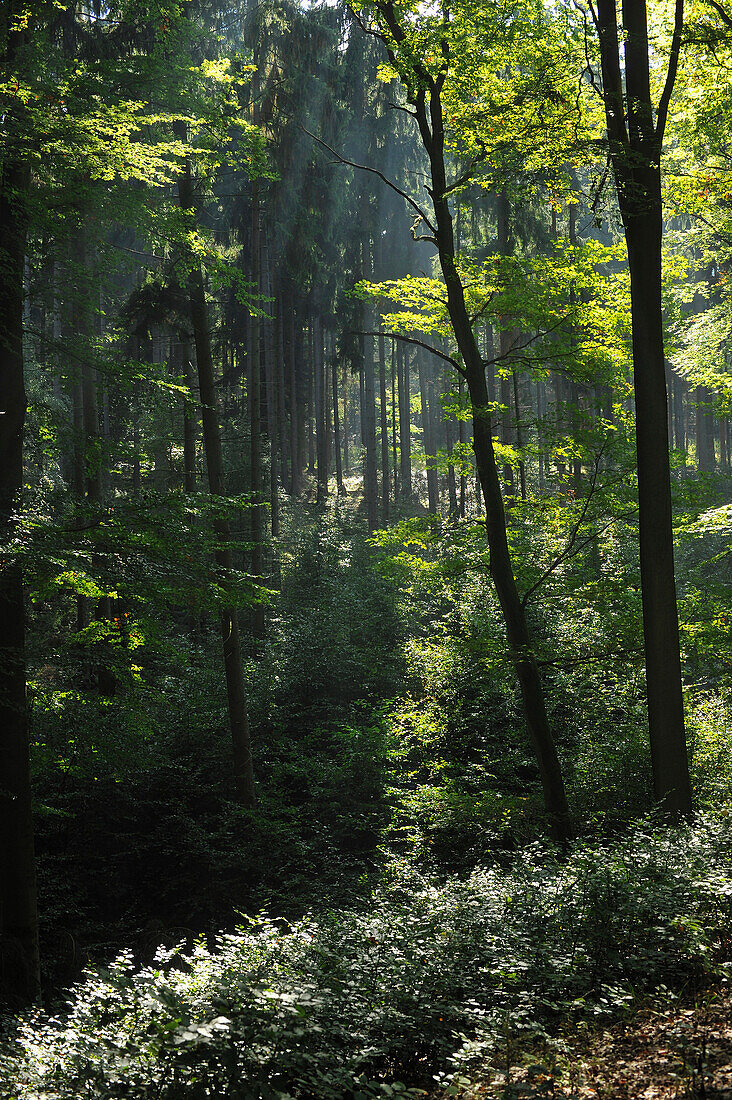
[365,549]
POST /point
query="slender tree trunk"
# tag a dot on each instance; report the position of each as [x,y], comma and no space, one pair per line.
[256,510]
[427,440]
[279,352]
[20,972]
[190,420]
[405,423]
[235,687]
[430,120]
[337,424]
[294,407]
[369,408]
[384,431]
[321,436]
[393,420]
[346,409]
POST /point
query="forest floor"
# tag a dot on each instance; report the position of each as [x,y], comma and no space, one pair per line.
[683,1052]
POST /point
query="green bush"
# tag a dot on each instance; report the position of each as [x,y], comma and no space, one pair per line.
[421,983]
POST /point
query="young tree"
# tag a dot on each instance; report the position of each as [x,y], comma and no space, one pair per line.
[421,50]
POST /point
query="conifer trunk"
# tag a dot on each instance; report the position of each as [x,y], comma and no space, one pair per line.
[235,687]
[20,971]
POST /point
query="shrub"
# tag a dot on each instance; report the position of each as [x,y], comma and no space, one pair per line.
[422,982]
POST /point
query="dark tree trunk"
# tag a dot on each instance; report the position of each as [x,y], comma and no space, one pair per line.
[427,440]
[371,490]
[337,424]
[256,511]
[321,429]
[429,114]
[235,687]
[294,407]
[384,431]
[405,423]
[636,155]
[20,975]
[190,420]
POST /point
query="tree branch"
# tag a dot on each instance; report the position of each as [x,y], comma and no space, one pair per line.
[673,68]
[420,344]
[374,171]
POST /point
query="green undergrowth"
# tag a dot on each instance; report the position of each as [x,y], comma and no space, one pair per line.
[425,980]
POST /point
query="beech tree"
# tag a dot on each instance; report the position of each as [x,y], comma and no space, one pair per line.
[635,134]
[421,49]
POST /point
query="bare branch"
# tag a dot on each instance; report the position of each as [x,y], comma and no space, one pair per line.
[571,541]
[374,171]
[420,344]
[726,19]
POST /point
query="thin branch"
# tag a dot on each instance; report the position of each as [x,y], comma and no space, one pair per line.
[726,19]
[673,68]
[420,344]
[569,547]
[467,175]
[374,171]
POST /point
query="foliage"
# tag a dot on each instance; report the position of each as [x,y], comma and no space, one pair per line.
[428,978]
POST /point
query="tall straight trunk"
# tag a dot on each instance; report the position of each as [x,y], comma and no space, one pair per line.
[393,420]
[540,413]
[369,408]
[336,424]
[346,411]
[679,436]
[428,111]
[705,456]
[256,510]
[270,368]
[405,423]
[722,444]
[635,152]
[190,420]
[321,437]
[294,405]
[461,440]
[279,353]
[384,431]
[20,971]
[312,399]
[235,687]
[427,436]
[519,433]
[451,479]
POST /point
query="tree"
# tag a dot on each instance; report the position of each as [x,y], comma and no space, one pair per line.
[635,144]
[420,49]
[18,916]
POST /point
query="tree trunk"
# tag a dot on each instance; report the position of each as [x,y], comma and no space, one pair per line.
[190,425]
[235,687]
[636,155]
[384,431]
[427,440]
[336,423]
[369,409]
[405,423]
[20,972]
[256,510]
[433,135]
